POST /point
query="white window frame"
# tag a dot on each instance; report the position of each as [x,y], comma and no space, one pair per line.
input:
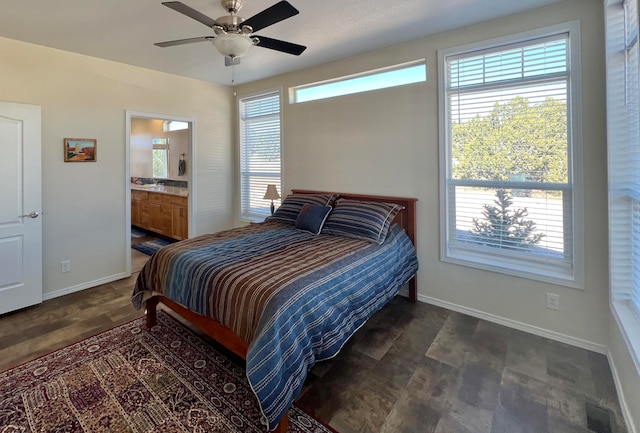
[623,192]
[260,212]
[573,275]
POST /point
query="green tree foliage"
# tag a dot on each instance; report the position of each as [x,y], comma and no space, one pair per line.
[514,138]
[504,228]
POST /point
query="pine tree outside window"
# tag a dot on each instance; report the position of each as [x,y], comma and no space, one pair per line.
[511,189]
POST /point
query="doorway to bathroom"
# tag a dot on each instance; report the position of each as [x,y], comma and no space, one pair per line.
[159,179]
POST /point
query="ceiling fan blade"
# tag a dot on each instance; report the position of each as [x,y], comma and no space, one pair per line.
[274,14]
[183,41]
[191,13]
[278,45]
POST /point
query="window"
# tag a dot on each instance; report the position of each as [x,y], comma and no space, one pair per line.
[174,125]
[510,187]
[623,142]
[259,120]
[399,75]
[160,157]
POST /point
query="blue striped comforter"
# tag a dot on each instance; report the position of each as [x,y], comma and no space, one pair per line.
[295,297]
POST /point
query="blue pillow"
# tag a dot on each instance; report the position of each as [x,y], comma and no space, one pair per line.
[291,205]
[312,217]
[366,220]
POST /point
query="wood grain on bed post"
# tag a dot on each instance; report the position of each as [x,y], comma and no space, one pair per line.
[283,426]
[410,227]
[151,304]
[413,289]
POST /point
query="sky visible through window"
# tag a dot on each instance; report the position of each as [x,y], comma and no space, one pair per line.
[366,83]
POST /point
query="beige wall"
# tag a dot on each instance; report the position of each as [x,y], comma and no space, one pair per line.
[141,147]
[84,203]
[143,131]
[386,142]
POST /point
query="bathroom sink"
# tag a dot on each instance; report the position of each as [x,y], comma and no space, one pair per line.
[148,185]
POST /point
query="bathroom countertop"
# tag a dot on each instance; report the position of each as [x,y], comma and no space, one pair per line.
[162,189]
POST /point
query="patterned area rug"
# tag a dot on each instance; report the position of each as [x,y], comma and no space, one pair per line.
[150,247]
[130,379]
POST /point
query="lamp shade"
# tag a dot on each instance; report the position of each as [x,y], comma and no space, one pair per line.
[272,193]
[232,44]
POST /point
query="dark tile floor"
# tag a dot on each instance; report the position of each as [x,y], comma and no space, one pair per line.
[413,368]
[419,368]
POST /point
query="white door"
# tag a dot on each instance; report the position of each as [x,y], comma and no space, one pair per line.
[20,207]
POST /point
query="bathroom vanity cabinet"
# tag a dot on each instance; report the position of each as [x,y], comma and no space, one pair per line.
[160,212]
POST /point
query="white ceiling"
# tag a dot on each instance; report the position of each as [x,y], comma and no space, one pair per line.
[125,30]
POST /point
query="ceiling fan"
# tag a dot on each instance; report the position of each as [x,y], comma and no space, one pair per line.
[233,34]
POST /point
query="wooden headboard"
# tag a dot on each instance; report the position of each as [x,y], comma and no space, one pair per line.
[406,218]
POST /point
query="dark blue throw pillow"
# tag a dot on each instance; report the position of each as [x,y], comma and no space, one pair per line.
[291,205]
[312,217]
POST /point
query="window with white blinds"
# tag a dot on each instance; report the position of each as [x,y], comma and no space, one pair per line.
[623,143]
[509,185]
[259,121]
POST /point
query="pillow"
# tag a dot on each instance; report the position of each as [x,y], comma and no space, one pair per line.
[312,217]
[364,220]
[291,205]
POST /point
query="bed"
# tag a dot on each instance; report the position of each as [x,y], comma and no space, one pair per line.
[282,296]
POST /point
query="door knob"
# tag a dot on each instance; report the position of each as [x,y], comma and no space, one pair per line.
[33,214]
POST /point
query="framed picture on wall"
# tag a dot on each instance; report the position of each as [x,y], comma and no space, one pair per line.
[80,150]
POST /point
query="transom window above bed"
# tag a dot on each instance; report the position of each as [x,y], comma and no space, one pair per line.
[510,152]
[259,123]
[398,75]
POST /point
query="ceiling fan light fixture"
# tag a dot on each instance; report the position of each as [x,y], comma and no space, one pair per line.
[233,34]
[232,45]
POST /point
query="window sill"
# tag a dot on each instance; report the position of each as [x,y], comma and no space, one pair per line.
[514,268]
[629,325]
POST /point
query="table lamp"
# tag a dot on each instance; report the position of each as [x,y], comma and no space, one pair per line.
[271,194]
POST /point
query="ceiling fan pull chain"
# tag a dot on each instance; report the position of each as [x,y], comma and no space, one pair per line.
[233,78]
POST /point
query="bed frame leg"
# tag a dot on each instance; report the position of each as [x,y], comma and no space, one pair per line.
[283,427]
[413,289]
[152,303]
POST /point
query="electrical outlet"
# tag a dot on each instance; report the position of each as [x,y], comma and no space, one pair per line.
[553,301]
[65,266]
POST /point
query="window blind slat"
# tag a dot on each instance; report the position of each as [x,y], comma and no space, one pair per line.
[260,163]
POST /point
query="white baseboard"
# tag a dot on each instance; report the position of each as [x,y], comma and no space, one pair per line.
[626,412]
[541,332]
[83,286]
